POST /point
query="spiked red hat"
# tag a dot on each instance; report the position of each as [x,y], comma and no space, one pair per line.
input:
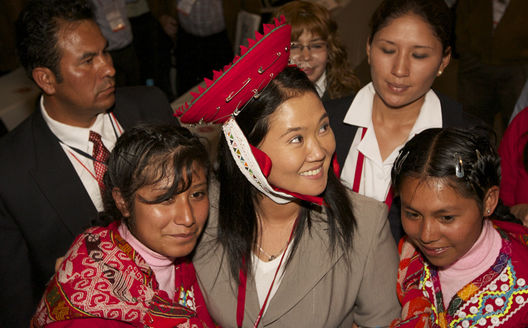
[231,89]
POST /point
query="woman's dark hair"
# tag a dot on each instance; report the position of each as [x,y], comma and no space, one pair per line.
[434,12]
[238,224]
[147,154]
[435,153]
[315,19]
[37,30]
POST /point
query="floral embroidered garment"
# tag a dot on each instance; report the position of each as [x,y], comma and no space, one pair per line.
[496,298]
[103,277]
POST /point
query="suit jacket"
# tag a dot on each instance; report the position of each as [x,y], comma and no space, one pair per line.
[43,204]
[317,289]
[476,41]
[452,116]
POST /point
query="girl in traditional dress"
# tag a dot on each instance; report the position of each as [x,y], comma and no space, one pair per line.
[462,263]
[135,271]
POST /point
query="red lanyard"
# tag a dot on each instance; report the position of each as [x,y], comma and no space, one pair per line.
[359,171]
[93,175]
[115,124]
[241,299]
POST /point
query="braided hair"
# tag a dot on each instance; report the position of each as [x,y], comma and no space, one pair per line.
[466,160]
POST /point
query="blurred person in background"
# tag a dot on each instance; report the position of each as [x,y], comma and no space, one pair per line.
[53,162]
[316,48]
[492,44]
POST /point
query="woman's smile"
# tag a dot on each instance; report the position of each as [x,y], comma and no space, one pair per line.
[313,173]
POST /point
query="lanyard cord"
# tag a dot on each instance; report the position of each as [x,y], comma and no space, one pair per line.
[93,175]
[241,300]
[359,171]
[113,122]
[359,166]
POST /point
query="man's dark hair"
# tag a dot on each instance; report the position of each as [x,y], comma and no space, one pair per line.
[37,30]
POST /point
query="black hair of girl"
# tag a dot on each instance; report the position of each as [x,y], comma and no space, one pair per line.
[147,154]
[237,221]
[434,12]
[434,153]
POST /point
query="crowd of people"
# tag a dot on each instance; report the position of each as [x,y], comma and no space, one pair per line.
[328,204]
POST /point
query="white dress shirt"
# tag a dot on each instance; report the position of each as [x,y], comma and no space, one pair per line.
[375,176]
[320,85]
[71,136]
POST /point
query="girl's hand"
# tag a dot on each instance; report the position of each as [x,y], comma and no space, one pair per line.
[58,263]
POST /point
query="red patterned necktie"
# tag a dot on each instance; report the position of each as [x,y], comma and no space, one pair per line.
[100,153]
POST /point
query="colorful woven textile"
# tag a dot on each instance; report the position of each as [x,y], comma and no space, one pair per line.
[102,276]
[497,298]
[416,309]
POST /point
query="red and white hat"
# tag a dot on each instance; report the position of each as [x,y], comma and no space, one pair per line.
[228,93]
[231,89]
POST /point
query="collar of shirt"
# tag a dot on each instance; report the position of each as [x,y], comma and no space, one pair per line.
[360,114]
[430,117]
[360,111]
[320,84]
[79,137]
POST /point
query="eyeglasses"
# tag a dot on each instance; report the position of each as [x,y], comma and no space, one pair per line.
[313,47]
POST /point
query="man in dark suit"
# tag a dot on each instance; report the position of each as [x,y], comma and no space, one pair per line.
[49,181]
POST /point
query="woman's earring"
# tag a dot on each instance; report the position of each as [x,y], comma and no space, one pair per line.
[439,72]
[488,211]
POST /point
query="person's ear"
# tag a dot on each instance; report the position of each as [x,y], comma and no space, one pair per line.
[120,202]
[45,79]
[446,59]
[491,199]
[368,50]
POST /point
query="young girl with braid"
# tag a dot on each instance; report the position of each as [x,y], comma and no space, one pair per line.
[462,263]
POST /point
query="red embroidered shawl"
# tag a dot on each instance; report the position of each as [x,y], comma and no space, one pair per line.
[497,298]
[102,276]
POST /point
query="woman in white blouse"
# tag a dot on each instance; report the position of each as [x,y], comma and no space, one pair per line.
[409,46]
